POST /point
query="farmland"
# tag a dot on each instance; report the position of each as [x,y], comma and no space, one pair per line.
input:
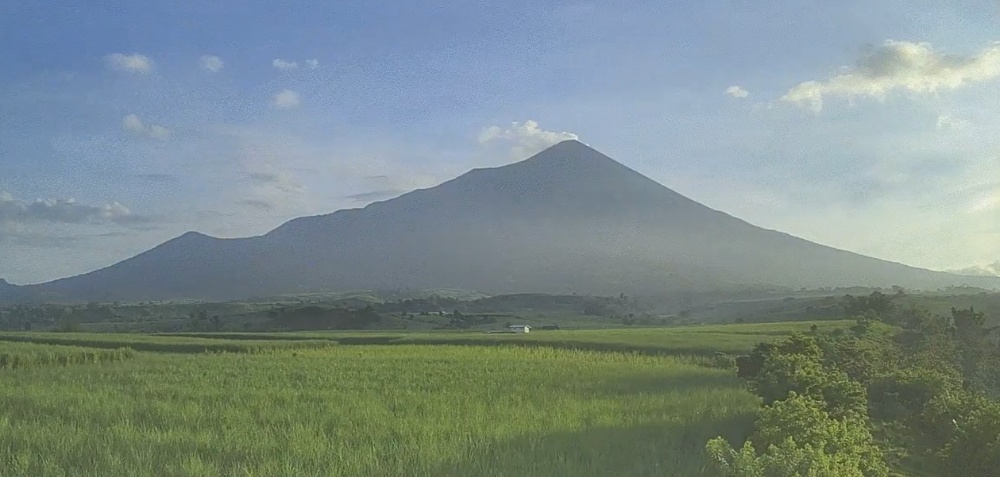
[569,403]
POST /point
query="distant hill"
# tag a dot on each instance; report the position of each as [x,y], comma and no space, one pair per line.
[567,220]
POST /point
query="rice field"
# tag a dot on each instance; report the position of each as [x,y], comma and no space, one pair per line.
[24,355]
[407,408]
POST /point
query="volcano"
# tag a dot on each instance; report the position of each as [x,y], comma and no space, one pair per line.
[566,220]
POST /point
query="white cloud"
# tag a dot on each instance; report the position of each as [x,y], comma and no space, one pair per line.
[286,99]
[133,124]
[312,64]
[986,204]
[524,139]
[134,63]
[900,65]
[737,92]
[62,211]
[284,65]
[988,270]
[158,132]
[210,63]
[947,122]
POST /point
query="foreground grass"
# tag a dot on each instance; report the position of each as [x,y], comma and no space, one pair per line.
[24,355]
[371,411]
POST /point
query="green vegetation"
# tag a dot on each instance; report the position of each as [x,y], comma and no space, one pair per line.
[473,407]
[374,411]
[924,385]
[893,391]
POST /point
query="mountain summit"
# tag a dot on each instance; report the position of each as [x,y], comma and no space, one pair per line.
[568,219]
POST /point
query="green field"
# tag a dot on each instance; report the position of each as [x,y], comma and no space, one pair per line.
[574,403]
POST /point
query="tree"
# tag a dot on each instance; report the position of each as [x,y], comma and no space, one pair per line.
[967,322]
[877,302]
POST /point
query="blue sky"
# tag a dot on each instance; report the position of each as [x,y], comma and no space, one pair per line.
[123,124]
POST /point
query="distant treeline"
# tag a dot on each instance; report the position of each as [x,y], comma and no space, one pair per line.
[324,318]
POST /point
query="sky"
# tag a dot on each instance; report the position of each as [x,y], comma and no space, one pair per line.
[867,126]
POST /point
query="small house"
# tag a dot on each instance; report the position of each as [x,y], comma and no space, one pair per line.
[520,328]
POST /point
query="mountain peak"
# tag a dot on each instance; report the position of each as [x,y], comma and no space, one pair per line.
[570,150]
[192,235]
[569,160]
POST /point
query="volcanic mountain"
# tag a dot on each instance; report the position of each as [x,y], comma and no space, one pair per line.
[566,220]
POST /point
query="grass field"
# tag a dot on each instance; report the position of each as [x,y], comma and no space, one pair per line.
[435,404]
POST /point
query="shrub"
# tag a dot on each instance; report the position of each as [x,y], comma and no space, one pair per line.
[974,448]
[903,395]
[798,438]
[804,375]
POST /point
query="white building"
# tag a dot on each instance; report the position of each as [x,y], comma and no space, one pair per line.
[520,328]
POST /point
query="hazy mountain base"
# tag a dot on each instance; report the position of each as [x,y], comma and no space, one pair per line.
[430,310]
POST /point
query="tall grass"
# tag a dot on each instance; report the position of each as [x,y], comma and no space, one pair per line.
[23,355]
[404,410]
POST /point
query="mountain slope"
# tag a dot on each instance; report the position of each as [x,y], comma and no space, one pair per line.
[568,219]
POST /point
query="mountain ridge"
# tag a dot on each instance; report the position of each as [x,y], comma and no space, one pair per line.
[568,219]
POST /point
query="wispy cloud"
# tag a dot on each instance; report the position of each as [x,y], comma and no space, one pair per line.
[900,65]
[986,203]
[211,63]
[374,195]
[284,65]
[160,178]
[258,204]
[134,63]
[282,181]
[524,139]
[63,211]
[312,64]
[286,99]
[736,91]
[133,124]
